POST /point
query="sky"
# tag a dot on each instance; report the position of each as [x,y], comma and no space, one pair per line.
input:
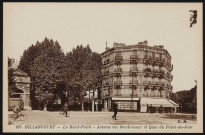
[95,24]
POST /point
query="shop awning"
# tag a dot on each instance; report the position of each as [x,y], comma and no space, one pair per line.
[174,103]
[157,102]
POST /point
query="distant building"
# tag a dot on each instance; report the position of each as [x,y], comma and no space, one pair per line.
[92,101]
[136,76]
[22,91]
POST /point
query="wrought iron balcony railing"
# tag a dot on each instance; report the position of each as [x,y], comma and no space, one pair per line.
[106,61]
[117,82]
[155,70]
[118,70]
[133,69]
[134,82]
[161,71]
[147,70]
[118,58]
[161,83]
[145,82]
[133,57]
[145,56]
[106,72]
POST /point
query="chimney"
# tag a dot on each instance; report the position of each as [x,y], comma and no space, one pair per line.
[145,42]
[107,48]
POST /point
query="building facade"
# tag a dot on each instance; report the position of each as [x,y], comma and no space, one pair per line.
[136,76]
[22,90]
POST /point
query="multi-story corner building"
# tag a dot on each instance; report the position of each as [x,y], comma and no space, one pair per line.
[136,76]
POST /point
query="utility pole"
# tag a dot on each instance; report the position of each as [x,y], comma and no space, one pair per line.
[93,102]
[132,94]
[89,102]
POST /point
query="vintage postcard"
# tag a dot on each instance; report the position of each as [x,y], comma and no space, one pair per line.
[102,67]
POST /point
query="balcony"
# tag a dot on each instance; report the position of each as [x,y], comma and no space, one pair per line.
[151,57]
[147,75]
[153,75]
[155,70]
[161,71]
[153,63]
[171,77]
[146,57]
[133,59]
[161,76]
[147,70]
[171,68]
[161,64]
[106,72]
[160,59]
[145,82]
[161,83]
[133,84]
[118,70]
[117,84]
[107,84]
[118,58]
[106,61]
[134,69]
[168,76]
[146,87]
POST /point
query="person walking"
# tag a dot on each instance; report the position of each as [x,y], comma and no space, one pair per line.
[151,108]
[65,109]
[161,109]
[148,109]
[115,107]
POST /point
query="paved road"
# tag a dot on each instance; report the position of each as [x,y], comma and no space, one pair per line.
[98,118]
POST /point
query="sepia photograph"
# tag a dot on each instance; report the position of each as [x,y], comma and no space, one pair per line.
[102,67]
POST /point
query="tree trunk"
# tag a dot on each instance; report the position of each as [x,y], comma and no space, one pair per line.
[82,106]
[45,106]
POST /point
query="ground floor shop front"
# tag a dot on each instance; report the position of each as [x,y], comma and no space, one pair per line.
[149,105]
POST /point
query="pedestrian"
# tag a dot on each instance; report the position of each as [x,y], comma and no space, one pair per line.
[151,108]
[148,109]
[115,107]
[65,109]
[161,109]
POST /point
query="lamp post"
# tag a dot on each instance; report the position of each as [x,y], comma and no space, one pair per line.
[93,102]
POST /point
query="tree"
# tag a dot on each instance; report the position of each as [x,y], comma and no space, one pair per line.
[52,72]
[44,62]
[187,99]
[11,78]
[83,71]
